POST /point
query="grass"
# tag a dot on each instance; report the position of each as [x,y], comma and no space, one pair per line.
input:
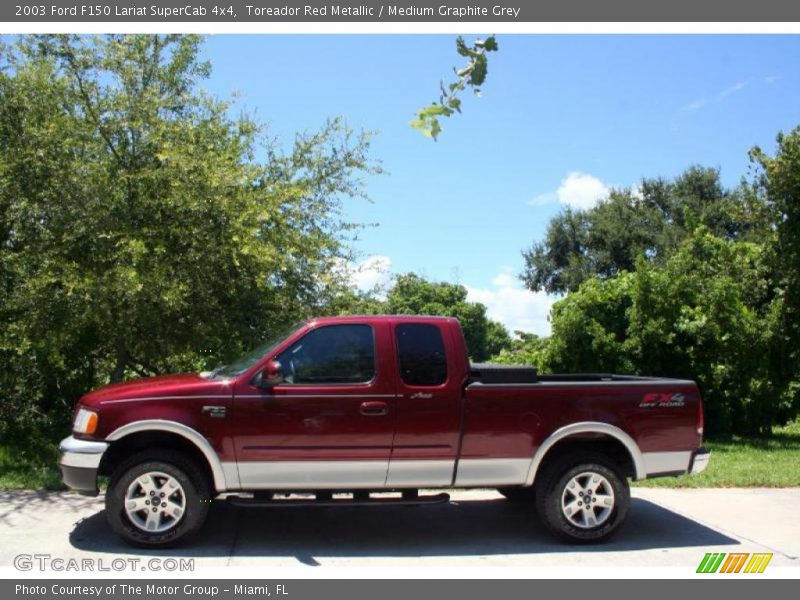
[27,465]
[746,462]
[738,462]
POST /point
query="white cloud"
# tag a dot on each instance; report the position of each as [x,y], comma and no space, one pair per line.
[772,79]
[372,272]
[728,91]
[581,190]
[696,105]
[577,190]
[543,199]
[508,302]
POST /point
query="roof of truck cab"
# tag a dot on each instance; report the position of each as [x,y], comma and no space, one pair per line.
[377,318]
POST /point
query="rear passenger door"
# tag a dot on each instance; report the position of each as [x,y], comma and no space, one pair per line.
[428,420]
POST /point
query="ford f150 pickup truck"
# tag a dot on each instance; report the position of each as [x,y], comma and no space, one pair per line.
[369,410]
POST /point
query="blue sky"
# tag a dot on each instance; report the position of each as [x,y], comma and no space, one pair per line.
[561,118]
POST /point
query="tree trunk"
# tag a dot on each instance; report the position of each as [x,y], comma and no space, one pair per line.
[121,361]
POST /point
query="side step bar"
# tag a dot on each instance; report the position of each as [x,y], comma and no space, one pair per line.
[322,499]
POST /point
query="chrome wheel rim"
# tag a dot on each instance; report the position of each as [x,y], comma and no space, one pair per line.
[155,502]
[587,500]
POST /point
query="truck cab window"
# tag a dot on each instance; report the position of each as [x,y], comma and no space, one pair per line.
[422,358]
[332,354]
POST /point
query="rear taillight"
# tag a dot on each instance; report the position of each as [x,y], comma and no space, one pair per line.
[700,418]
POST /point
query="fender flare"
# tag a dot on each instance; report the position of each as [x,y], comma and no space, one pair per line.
[588,427]
[192,435]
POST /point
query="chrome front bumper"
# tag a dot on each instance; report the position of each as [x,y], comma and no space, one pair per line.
[700,461]
[78,461]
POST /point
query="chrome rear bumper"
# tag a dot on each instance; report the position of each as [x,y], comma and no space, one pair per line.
[700,460]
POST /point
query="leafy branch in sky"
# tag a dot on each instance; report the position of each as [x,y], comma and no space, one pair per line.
[473,74]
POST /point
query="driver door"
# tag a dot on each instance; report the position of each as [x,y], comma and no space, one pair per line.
[330,423]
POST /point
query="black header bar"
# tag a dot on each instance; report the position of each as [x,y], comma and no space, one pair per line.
[474,11]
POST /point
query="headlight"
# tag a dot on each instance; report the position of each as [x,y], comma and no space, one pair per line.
[85,421]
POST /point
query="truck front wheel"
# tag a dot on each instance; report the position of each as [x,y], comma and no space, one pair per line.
[157,499]
[582,499]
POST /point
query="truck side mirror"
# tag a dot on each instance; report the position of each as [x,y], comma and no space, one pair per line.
[272,374]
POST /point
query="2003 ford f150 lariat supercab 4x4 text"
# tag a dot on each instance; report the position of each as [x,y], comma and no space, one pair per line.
[369,410]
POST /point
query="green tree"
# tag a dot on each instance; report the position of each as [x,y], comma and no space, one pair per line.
[141,229]
[777,184]
[497,339]
[650,221]
[414,295]
[706,314]
[351,301]
[525,349]
[589,328]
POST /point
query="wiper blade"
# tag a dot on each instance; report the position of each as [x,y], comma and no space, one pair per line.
[211,374]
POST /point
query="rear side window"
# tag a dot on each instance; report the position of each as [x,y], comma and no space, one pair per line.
[420,350]
[332,354]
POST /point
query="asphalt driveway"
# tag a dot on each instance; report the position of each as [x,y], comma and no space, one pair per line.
[665,527]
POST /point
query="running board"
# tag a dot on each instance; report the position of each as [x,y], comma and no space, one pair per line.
[358,499]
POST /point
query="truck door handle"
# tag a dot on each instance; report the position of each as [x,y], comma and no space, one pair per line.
[374,409]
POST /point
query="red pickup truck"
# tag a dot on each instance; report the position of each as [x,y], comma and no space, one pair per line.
[369,410]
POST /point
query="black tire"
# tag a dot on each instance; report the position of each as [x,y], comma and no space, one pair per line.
[195,489]
[551,491]
[518,493]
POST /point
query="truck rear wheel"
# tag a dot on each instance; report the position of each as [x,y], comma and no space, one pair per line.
[583,498]
[157,499]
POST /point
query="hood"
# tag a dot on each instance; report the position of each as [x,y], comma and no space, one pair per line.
[181,384]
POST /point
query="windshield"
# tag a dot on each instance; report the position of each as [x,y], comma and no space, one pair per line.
[243,363]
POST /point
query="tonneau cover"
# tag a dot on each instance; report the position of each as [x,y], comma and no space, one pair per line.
[488,373]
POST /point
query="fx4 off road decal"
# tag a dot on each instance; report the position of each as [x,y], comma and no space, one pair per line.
[663,400]
[736,562]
